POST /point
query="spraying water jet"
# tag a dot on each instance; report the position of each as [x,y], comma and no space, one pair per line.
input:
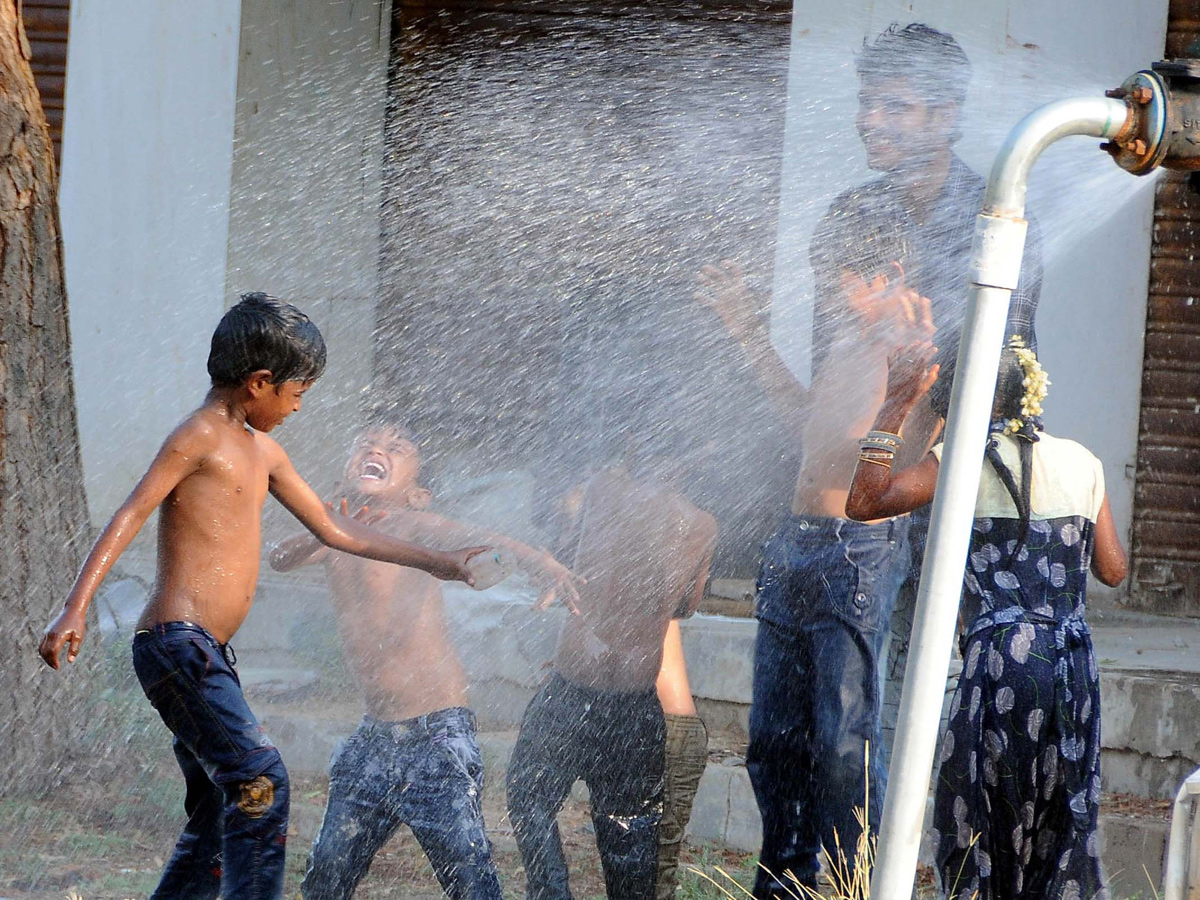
[1152,120]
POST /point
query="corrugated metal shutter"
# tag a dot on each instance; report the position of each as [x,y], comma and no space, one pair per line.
[1166,520]
[46,23]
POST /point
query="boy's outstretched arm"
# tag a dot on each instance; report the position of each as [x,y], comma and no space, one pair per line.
[296,552]
[305,550]
[179,457]
[350,536]
[554,579]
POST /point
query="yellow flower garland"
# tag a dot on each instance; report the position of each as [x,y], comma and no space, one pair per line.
[1036,384]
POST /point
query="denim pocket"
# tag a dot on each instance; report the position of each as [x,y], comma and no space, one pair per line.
[352,756]
[868,601]
[170,659]
[463,754]
[171,670]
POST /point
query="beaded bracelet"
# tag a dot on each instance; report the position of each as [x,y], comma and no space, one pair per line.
[881,440]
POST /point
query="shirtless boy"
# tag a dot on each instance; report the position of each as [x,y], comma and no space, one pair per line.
[414,758]
[827,585]
[645,552]
[210,479]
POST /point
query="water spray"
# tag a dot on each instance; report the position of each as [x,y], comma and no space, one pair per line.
[1150,121]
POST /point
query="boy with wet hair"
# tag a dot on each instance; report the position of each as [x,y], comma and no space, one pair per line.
[210,480]
[645,551]
[414,758]
[827,585]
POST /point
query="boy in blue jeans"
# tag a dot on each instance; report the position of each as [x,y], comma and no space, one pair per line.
[827,585]
[414,758]
[645,551]
[210,480]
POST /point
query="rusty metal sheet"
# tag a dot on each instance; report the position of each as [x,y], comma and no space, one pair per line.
[1167,425]
[1173,349]
[1170,462]
[1169,539]
[1180,311]
[1164,387]
[1173,502]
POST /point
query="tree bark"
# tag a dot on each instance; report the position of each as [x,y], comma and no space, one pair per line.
[43,511]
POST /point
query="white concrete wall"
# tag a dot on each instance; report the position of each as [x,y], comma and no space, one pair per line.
[1096,218]
[145,207]
[306,193]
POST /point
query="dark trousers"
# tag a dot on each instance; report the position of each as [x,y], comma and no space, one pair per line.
[237,788]
[825,593]
[425,772]
[614,742]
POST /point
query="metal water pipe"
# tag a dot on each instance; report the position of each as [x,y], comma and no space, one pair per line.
[1152,120]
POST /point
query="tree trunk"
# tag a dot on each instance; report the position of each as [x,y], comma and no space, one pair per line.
[43,512]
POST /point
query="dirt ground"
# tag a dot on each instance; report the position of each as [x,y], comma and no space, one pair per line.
[109,840]
[81,843]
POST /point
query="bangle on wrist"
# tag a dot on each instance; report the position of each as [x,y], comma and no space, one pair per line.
[886,463]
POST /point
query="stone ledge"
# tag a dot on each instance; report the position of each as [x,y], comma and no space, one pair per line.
[1157,714]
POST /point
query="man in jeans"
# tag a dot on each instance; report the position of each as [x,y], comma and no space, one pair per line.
[827,585]
[825,594]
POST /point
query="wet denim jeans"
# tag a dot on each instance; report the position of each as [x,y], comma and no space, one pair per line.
[237,788]
[425,772]
[613,740]
[825,594]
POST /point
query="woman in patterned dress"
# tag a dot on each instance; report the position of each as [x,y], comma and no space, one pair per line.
[1018,791]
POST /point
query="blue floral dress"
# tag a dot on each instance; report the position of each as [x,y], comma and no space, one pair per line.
[1019,785]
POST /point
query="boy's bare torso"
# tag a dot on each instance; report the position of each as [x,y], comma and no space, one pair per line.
[845,398]
[210,528]
[846,394]
[393,629]
[641,548]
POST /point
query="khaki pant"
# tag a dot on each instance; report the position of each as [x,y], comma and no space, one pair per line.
[686,754]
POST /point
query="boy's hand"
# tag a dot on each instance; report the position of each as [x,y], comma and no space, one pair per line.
[70,626]
[557,582]
[723,289]
[452,565]
[909,316]
[910,375]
